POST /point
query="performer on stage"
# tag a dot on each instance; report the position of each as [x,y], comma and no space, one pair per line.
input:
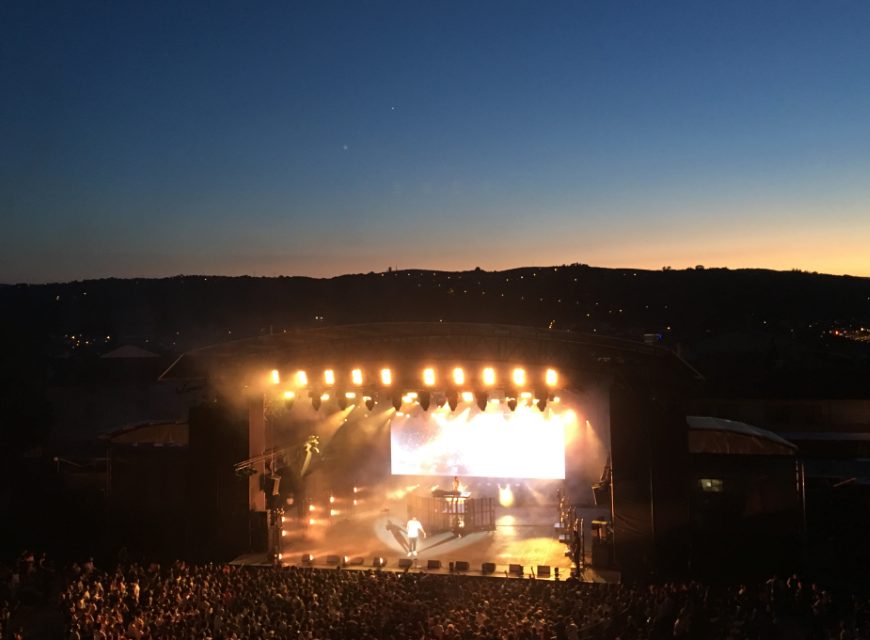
[414,528]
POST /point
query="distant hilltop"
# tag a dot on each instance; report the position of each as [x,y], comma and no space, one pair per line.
[704,313]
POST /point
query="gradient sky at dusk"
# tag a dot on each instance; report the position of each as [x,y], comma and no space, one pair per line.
[319,138]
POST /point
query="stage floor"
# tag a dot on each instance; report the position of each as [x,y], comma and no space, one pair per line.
[527,536]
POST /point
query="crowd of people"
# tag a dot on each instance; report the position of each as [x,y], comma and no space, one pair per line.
[218,601]
[229,602]
[28,579]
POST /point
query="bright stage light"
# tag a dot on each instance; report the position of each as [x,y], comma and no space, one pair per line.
[551,378]
[519,377]
[283,532]
[324,397]
[429,376]
[356,377]
[386,377]
[458,376]
[467,396]
[329,377]
[489,376]
[289,397]
[276,376]
[301,379]
[505,496]
[350,395]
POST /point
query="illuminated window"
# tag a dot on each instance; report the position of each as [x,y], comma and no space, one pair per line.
[711,485]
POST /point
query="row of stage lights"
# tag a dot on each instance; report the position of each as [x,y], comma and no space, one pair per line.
[488,379]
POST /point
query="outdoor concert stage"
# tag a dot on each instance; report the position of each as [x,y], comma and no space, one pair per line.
[323,443]
[526,537]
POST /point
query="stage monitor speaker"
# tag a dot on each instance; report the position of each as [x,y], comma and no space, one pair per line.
[334,560]
[543,571]
[515,570]
[378,562]
[307,558]
[487,567]
[433,564]
[405,563]
[461,565]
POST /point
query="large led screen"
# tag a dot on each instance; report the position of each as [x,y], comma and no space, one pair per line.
[496,443]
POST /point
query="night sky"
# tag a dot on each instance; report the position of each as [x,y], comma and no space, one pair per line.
[319,138]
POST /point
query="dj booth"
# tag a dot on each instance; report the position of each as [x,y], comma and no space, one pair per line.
[453,511]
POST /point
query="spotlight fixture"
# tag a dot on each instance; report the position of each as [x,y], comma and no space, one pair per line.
[440,400]
[315,401]
[542,402]
[370,402]
[481,397]
[342,401]
[429,376]
[397,401]
[276,376]
[512,404]
[488,376]
[301,378]
[551,377]
[452,399]
[424,398]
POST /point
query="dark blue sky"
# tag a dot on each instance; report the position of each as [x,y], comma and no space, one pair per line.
[321,138]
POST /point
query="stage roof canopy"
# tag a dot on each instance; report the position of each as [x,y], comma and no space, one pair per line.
[415,343]
[720,436]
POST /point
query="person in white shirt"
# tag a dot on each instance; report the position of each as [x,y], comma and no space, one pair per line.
[414,528]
